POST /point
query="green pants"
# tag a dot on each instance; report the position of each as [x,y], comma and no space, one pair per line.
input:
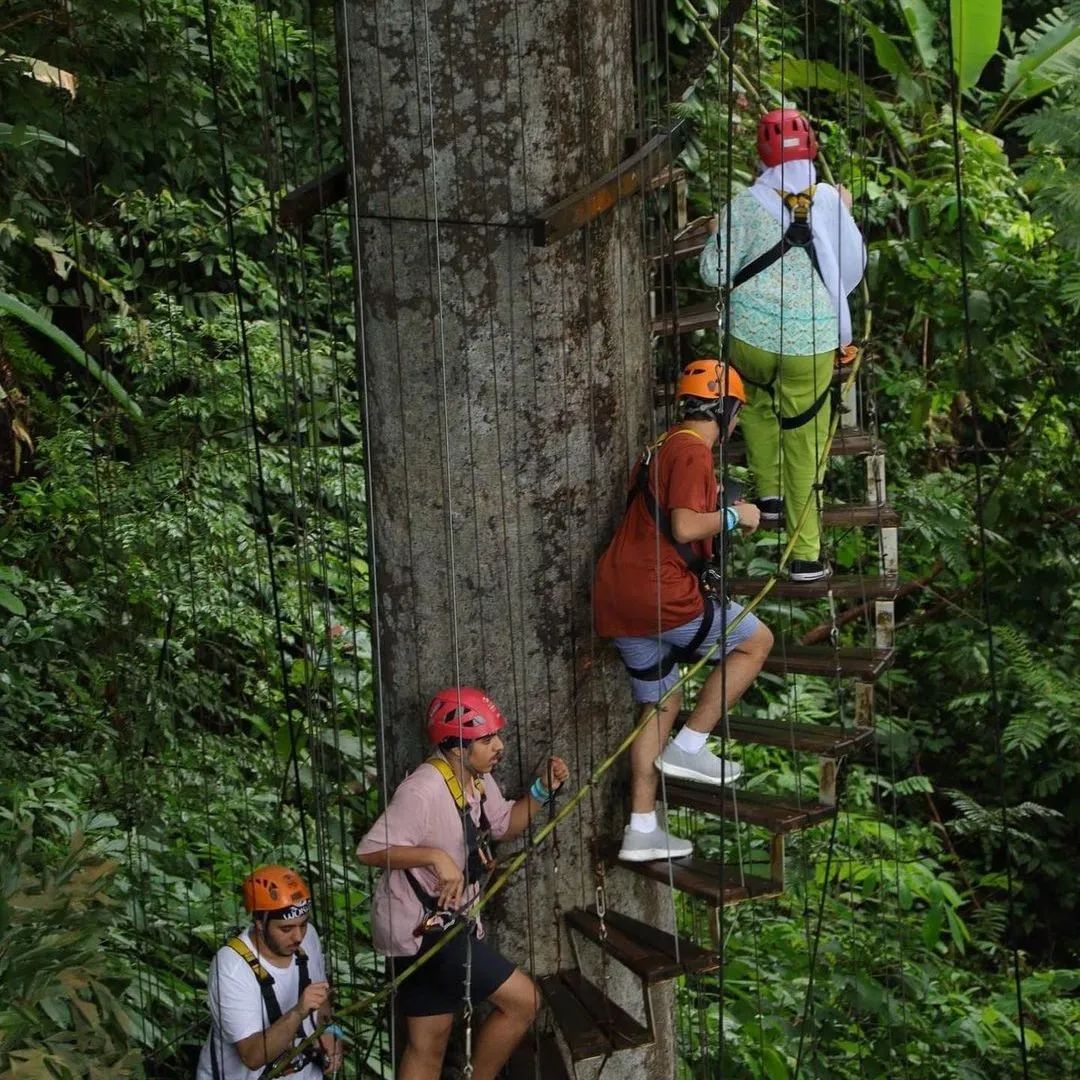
[784,461]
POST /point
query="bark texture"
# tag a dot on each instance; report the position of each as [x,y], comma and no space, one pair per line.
[508,391]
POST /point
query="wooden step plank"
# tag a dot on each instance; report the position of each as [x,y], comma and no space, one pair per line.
[809,738]
[622,1030]
[842,586]
[687,319]
[860,663]
[583,1036]
[847,442]
[536,1056]
[646,963]
[778,813]
[686,244]
[840,516]
[693,958]
[713,882]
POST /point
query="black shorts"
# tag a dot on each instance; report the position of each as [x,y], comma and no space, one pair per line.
[439,986]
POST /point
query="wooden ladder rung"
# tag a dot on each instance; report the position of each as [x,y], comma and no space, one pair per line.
[713,882]
[809,738]
[777,813]
[862,663]
[646,951]
[842,586]
[584,1037]
[846,443]
[840,516]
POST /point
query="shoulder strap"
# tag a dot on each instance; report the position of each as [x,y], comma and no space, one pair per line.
[797,234]
[694,562]
[265,979]
[445,770]
[450,779]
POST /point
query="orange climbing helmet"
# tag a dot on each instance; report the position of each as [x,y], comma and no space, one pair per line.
[710,380]
[276,892]
[711,390]
[785,135]
[462,713]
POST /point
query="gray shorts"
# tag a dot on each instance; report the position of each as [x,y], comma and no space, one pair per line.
[648,652]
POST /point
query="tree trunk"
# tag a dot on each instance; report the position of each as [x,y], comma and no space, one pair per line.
[508,390]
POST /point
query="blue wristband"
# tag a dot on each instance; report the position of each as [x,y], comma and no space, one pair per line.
[539,792]
[335,1030]
[731,518]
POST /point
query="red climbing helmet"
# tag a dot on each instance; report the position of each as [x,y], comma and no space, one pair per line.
[785,135]
[462,713]
[276,892]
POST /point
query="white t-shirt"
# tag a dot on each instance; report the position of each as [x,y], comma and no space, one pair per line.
[237,1009]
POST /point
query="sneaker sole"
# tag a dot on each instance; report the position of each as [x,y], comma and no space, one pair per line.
[809,577]
[652,854]
[679,773]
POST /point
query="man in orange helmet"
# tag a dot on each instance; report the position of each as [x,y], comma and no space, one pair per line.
[649,596]
[268,988]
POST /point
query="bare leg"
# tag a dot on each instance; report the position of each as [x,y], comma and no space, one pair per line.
[516,1003]
[645,749]
[424,1054]
[734,675]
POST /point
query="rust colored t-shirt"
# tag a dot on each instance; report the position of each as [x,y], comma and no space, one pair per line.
[642,585]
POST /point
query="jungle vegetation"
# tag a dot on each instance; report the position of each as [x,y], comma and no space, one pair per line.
[185,650]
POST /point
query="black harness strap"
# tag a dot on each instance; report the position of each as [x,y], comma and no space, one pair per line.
[695,563]
[797,235]
[270,1001]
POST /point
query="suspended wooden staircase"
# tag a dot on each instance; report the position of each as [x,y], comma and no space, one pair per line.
[587,1021]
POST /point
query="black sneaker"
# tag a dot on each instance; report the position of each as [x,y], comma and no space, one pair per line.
[808,570]
[772,510]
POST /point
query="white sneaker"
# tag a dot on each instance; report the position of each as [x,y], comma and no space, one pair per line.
[646,846]
[705,767]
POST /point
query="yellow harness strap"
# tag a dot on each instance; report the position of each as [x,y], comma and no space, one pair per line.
[446,771]
[655,447]
[239,946]
[798,202]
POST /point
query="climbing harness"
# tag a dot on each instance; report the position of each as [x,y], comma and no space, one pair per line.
[479,859]
[272,1006]
[797,235]
[707,577]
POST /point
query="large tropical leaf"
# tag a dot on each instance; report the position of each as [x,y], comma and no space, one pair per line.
[1049,52]
[976,28]
[57,336]
[22,135]
[921,24]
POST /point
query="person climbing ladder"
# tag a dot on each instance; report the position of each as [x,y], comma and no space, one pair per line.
[793,254]
[649,596]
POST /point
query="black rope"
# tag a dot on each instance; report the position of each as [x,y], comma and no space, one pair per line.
[980,518]
[265,525]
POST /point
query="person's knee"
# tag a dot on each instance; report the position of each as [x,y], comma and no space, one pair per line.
[759,644]
[518,997]
[428,1039]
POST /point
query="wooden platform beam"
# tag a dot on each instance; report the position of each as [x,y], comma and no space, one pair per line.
[601,195]
[301,204]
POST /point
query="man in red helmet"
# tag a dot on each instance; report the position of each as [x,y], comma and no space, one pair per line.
[648,594]
[434,841]
[268,988]
[787,255]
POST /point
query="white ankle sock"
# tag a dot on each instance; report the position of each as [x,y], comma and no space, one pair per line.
[643,822]
[689,740]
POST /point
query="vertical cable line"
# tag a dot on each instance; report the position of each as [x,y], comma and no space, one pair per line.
[449,516]
[347,520]
[980,517]
[362,368]
[249,382]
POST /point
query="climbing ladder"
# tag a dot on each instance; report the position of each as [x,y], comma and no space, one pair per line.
[587,1021]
